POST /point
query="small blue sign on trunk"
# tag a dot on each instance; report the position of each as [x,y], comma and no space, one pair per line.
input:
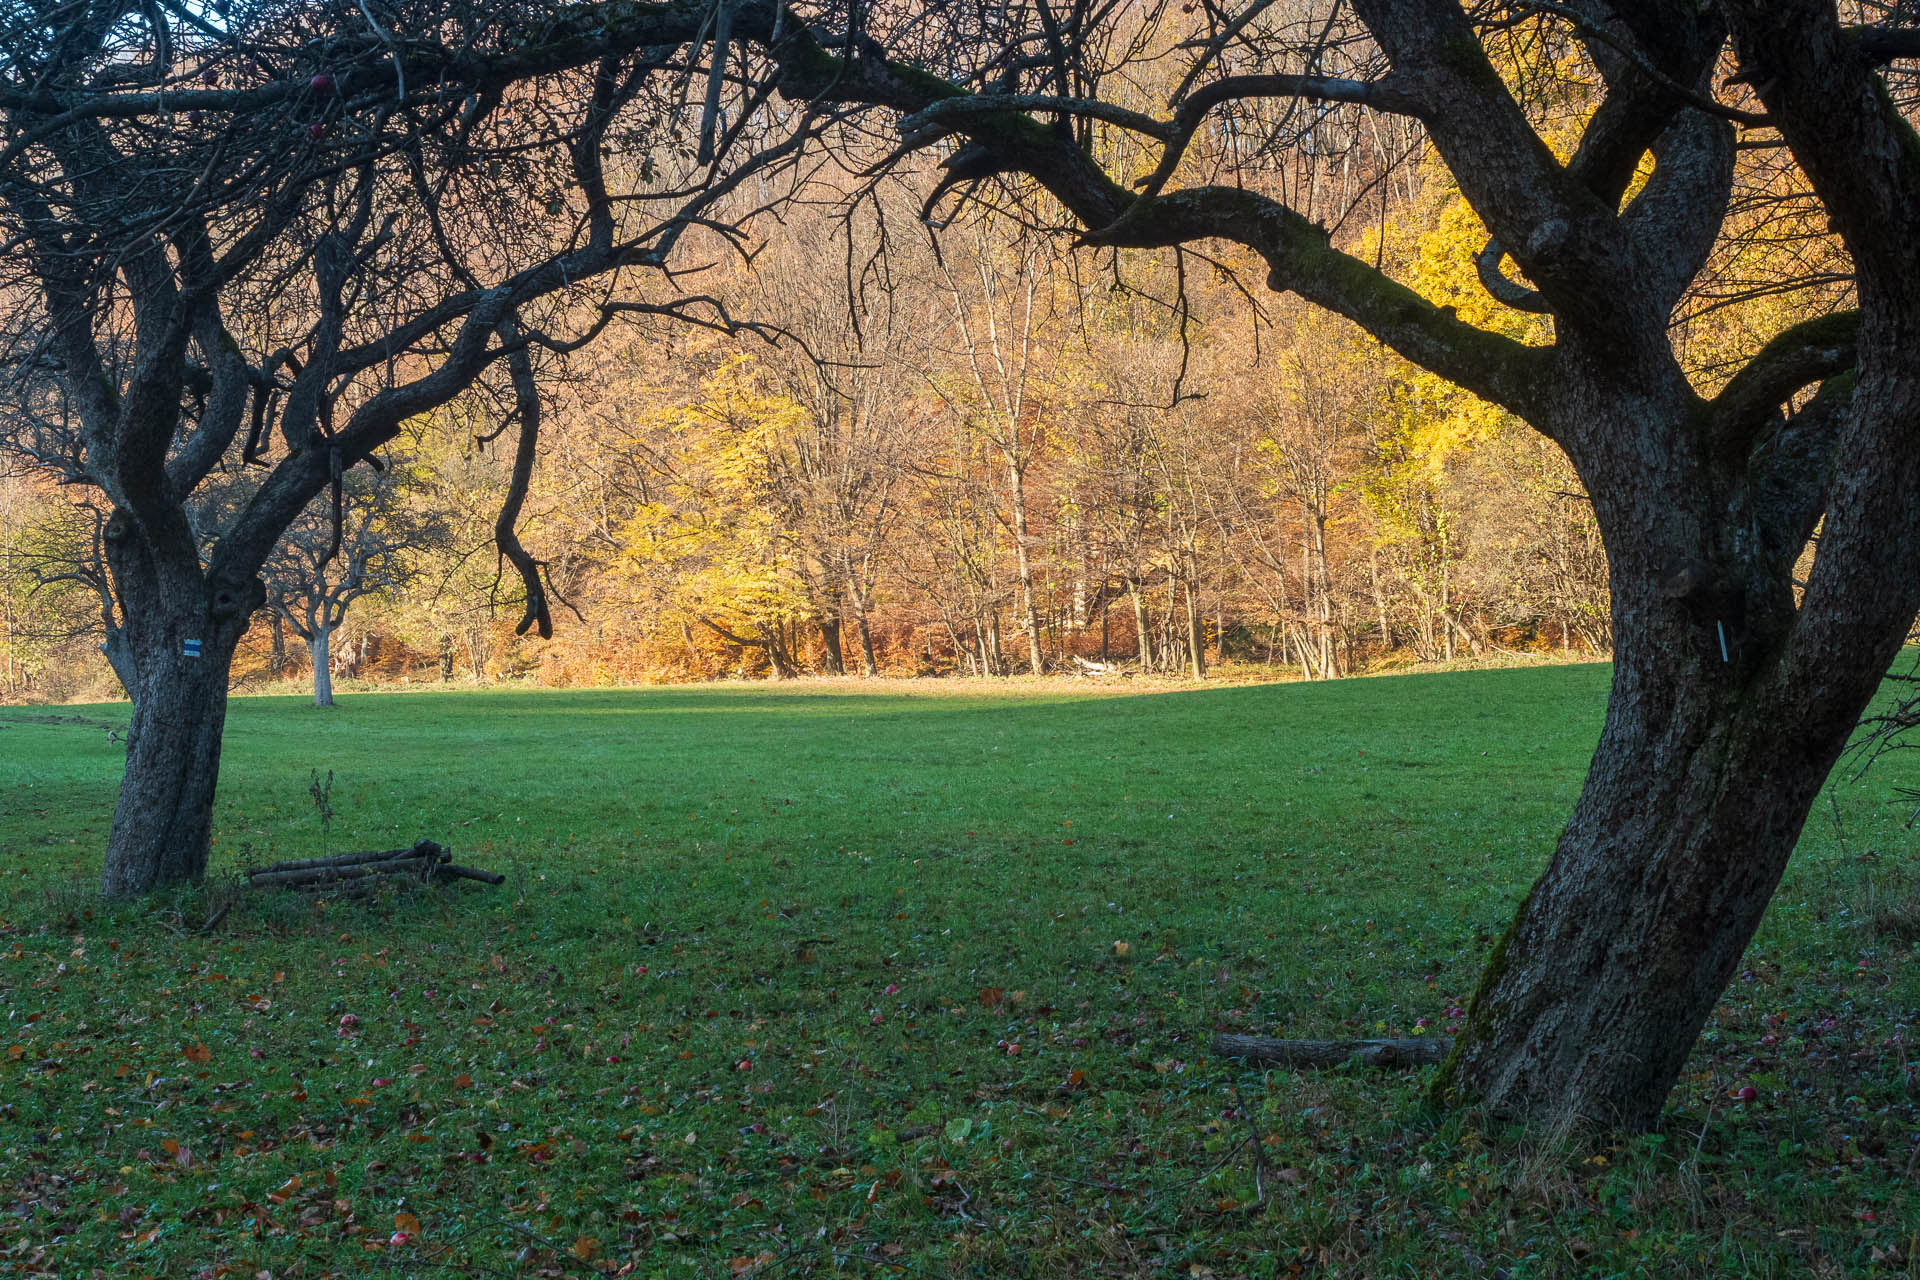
[191,648]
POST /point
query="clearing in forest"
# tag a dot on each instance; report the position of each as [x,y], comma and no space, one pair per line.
[909,978]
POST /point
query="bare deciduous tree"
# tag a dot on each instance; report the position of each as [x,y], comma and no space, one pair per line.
[326,560]
[220,225]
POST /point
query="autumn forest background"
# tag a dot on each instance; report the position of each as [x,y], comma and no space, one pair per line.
[920,438]
[930,451]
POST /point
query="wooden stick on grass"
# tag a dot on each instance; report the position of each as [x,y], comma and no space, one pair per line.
[1421,1051]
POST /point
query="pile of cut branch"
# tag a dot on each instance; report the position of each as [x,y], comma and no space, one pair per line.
[361,873]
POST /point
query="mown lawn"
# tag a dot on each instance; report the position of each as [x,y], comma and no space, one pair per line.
[911,980]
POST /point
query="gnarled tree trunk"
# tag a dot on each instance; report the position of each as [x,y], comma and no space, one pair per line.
[1729,706]
[162,822]
[181,629]
[1613,963]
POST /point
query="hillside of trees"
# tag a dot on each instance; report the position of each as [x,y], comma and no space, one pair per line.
[999,459]
[925,448]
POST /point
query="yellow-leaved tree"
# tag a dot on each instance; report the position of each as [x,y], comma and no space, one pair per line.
[712,547]
[1429,427]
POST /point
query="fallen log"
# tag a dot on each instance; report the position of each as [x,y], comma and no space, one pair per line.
[357,873]
[454,871]
[416,867]
[422,849]
[1420,1051]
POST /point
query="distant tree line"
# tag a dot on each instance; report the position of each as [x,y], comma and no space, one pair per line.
[982,461]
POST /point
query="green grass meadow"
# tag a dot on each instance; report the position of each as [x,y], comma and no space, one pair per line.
[909,979]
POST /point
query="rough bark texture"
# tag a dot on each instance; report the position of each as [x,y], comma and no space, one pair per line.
[1729,706]
[183,629]
[1706,769]
[162,820]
